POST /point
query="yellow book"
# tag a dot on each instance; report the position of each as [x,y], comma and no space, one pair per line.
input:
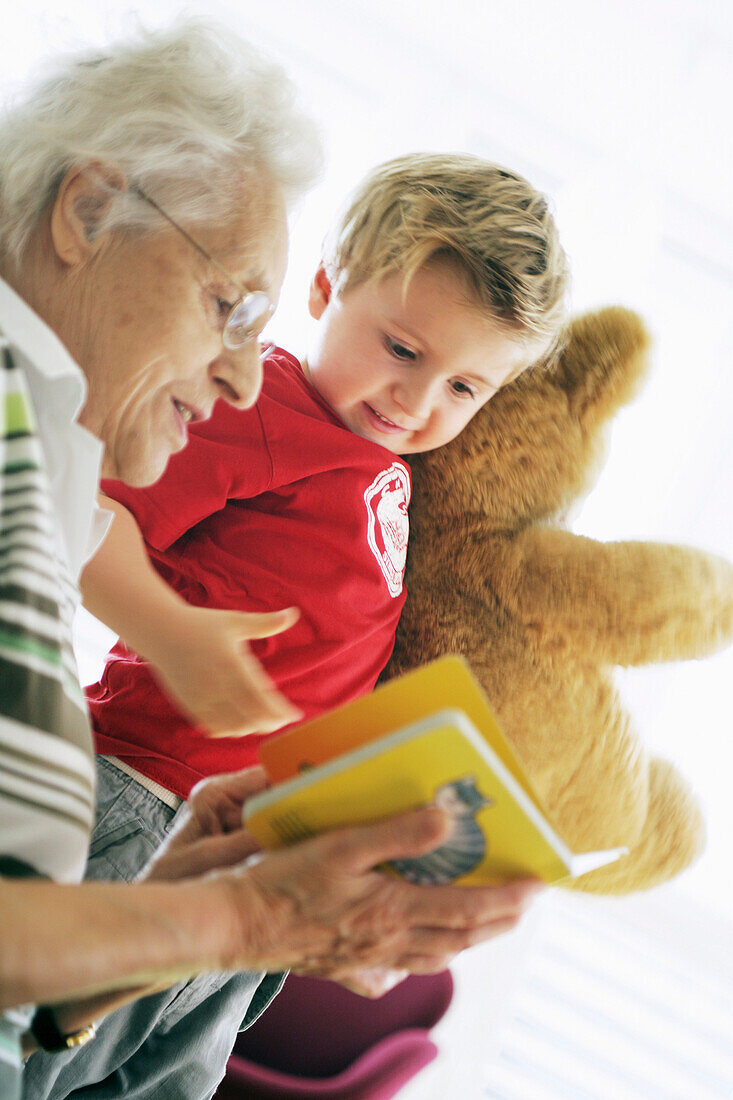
[362,761]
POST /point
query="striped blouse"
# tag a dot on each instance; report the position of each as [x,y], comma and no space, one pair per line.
[46,768]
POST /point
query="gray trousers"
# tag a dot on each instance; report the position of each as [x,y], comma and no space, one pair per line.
[173,1045]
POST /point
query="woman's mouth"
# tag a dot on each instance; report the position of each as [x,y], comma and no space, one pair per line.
[184,415]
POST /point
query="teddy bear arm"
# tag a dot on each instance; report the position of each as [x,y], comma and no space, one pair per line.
[624,603]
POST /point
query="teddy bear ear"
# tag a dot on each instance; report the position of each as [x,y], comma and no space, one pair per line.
[603,361]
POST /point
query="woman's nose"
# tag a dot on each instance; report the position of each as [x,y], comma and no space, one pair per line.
[237,374]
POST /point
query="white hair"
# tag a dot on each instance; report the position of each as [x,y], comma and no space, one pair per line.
[185,114]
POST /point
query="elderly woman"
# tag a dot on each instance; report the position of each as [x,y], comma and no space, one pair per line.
[143,199]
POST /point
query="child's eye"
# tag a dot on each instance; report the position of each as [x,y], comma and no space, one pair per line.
[223,307]
[461,389]
[407,355]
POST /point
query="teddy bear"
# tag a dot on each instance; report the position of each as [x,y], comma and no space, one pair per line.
[543,616]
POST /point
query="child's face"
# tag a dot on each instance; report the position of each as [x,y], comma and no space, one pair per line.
[408,374]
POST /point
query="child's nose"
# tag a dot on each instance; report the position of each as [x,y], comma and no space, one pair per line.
[415,397]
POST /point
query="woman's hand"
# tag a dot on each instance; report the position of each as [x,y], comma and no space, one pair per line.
[320,908]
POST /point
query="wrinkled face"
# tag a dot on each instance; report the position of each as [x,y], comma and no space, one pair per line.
[408,372]
[149,337]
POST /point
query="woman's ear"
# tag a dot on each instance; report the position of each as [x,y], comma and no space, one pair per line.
[320,293]
[82,201]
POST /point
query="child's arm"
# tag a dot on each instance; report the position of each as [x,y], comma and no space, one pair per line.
[199,655]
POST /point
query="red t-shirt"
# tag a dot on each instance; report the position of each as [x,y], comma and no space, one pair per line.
[277,505]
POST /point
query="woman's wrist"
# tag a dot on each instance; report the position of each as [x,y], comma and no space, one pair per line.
[109,938]
[252,924]
[203,922]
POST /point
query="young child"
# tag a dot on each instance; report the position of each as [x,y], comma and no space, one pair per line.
[443,281]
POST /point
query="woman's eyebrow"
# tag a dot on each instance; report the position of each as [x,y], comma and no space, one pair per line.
[259,280]
[253,279]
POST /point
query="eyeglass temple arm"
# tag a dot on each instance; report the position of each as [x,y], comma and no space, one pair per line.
[202,251]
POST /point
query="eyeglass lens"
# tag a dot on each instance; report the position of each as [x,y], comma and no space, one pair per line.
[246,318]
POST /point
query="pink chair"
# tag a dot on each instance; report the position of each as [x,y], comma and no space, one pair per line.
[317,1039]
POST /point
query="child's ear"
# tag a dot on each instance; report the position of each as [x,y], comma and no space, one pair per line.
[320,293]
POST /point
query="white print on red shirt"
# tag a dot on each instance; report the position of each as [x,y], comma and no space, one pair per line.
[387,499]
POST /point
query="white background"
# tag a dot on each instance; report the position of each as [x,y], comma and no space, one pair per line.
[621,110]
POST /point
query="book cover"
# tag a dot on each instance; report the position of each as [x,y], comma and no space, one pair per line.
[447,683]
[499,832]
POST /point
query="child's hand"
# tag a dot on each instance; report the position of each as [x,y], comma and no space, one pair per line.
[208,834]
[203,662]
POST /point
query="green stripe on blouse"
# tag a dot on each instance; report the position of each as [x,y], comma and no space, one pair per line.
[39,685]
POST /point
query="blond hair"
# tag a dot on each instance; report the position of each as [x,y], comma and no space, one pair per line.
[485,219]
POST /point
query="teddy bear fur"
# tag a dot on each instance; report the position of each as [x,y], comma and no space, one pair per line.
[543,616]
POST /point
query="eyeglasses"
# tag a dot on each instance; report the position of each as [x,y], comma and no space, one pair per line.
[251,311]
